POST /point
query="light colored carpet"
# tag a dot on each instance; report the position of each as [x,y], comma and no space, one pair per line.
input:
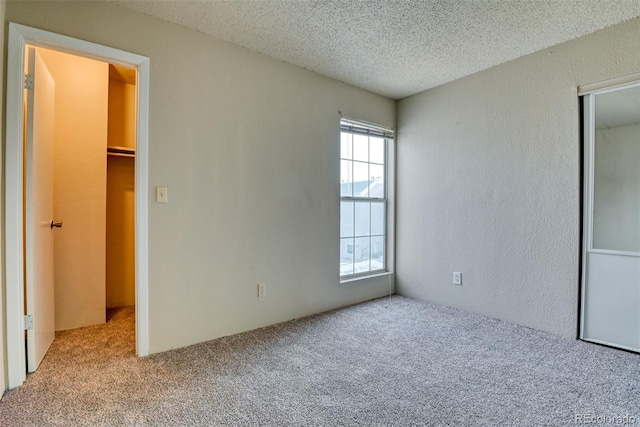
[389,362]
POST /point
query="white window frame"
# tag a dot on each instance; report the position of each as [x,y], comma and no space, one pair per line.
[366,128]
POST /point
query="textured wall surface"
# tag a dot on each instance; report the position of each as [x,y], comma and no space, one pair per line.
[248,148]
[489,183]
[79,185]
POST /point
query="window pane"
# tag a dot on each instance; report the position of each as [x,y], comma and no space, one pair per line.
[362,218]
[361,255]
[376,150]
[346,219]
[361,147]
[377,218]
[377,253]
[346,178]
[363,206]
[346,256]
[360,179]
[376,184]
[346,145]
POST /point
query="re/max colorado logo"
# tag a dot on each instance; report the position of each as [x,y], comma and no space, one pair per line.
[604,419]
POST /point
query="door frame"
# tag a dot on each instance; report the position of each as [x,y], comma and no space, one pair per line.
[587,95]
[19,37]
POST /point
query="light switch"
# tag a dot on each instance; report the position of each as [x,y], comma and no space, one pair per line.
[161,195]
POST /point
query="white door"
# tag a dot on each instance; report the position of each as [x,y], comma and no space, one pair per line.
[611,255]
[39,210]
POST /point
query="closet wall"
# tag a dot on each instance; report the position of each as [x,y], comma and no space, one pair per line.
[120,244]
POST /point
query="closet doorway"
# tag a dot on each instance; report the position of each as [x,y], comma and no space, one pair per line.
[21,296]
[79,172]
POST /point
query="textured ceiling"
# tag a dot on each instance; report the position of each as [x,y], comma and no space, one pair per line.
[393,48]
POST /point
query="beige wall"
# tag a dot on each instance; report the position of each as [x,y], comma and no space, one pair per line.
[489,183]
[3,376]
[79,188]
[120,267]
[248,148]
[122,114]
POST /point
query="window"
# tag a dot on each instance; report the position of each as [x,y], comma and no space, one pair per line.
[363,197]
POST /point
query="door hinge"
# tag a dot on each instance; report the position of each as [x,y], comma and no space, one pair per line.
[28,81]
[28,322]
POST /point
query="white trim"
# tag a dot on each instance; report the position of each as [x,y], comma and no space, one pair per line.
[610,84]
[614,252]
[374,274]
[19,36]
[14,275]
[142,209]
[610,344]
[586,203]
[591,155]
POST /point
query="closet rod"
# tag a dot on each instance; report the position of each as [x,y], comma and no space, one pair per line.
[121,151]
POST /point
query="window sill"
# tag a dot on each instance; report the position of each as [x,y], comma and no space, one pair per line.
[349,279]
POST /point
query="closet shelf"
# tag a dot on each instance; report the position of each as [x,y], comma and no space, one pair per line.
[120,151]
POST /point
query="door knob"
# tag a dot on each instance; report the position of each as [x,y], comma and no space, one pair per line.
[55,224]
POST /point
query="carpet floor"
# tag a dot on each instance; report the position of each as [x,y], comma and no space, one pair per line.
[388,362]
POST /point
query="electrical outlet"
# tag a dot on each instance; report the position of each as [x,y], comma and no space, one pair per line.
[262,289]
[457,278]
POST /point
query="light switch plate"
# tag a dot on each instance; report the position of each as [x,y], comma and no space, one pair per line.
[161,195]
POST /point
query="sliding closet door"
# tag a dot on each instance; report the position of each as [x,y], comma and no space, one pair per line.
[611,255]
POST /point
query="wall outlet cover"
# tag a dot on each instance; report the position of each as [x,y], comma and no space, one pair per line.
[457,278]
